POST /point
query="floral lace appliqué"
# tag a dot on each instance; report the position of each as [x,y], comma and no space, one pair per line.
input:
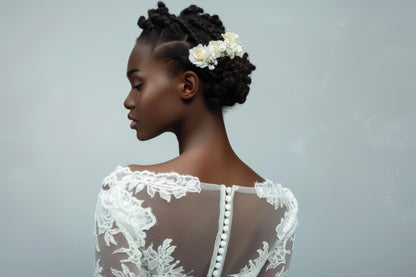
[120,213]
[254,266]
[160,262]
[98,269]
[126,272]
[118,203]
[166,184]
[278,257]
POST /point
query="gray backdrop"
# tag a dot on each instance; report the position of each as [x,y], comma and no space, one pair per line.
[330,115]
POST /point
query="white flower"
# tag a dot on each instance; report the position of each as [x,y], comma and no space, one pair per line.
[231,37]
[216,47]
[207,55]
[199,54]
[239,51]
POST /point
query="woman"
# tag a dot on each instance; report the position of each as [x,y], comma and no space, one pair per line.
[205,212]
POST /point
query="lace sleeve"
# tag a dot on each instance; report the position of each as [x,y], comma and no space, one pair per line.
[120,225]
[279,258]
[280,253]
[122,222]
[115,257]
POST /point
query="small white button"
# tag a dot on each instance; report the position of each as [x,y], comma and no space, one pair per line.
[224,236]
[228,189]
[227,213]
[221,250]
[222,243]
[217,265]
[219,258]
[227,207]
[215,273]
[228,198]
[226,221]
[225,228]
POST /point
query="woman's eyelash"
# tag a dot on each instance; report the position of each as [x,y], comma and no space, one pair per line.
[137,86]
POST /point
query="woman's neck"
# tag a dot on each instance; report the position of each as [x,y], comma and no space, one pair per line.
[206,133]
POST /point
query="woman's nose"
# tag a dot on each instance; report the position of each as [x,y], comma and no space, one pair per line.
[129,102]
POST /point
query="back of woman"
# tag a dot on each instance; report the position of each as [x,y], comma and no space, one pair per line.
[187,217]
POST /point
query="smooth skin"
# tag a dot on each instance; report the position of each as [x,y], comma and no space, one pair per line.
[162,103]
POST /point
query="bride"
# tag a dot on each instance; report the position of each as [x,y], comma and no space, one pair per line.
[205,212]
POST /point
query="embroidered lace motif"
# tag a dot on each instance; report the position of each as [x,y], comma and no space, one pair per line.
[119,212]
[98,269]
[166,184]
[254,266]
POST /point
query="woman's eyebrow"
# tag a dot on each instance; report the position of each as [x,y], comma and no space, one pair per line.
[131,72]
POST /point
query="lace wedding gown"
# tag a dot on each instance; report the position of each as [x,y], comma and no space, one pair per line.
[169,224]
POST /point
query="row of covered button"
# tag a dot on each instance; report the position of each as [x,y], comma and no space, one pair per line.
[225,232]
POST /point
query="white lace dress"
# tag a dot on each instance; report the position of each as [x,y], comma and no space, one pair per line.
[168,224]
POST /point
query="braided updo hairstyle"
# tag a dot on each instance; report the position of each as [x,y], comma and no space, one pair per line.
[172,36]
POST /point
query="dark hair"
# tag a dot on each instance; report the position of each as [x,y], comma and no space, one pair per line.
[172,36]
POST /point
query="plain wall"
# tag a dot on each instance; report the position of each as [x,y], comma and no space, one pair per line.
[330,114]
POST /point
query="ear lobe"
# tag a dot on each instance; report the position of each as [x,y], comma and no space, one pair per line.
[190,84]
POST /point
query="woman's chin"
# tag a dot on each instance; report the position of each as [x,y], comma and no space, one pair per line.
[142,137]
[147,136]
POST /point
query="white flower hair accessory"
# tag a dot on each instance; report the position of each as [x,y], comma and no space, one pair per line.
[207,55]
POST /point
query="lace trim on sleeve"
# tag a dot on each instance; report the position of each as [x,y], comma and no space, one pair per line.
[281,251]
[279,196]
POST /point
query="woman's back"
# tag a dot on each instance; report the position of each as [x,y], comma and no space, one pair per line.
[170,224]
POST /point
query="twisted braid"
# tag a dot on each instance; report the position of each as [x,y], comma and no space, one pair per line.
[172,36]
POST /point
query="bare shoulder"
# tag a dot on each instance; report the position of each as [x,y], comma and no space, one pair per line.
[150,167]
[168,166]
[232,173]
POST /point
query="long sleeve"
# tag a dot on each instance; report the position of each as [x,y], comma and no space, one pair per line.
[277,264]
[120,222]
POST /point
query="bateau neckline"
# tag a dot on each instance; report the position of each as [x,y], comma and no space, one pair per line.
[252,188]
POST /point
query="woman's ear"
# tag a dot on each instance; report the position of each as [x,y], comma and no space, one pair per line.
[190,85]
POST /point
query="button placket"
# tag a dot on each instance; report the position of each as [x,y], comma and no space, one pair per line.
[225,232]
